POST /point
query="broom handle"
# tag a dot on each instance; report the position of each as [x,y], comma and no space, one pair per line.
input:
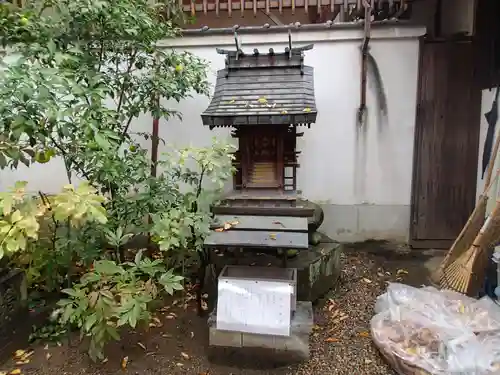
[491,182]
[478,241]
[491,164]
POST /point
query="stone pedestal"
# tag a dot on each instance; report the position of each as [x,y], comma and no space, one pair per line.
[240,346]
[318,269]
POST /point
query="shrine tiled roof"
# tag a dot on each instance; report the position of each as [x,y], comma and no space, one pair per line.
[271,88]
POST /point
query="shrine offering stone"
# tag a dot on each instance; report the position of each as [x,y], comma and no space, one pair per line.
[13,305]
[239,346]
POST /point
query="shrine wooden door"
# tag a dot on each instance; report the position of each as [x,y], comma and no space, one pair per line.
[262,153]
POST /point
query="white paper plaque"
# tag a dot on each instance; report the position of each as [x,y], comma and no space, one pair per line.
[254,306]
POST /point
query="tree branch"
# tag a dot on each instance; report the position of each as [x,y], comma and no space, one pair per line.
[125,80]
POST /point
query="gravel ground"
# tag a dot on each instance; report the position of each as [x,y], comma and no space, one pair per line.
[340,343]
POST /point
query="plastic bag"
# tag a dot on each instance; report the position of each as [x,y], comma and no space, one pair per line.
[441,332]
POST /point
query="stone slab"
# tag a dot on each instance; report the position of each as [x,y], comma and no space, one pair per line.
[257,239]
[270,223]
[288,349]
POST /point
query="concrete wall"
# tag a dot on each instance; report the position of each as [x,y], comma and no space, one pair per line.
[363,181]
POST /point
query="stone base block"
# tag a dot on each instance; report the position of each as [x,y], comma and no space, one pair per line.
[318,268]
[269,348]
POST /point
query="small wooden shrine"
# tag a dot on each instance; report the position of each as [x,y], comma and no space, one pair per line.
[264,97]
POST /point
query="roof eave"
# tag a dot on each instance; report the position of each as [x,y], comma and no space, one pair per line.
[215,119]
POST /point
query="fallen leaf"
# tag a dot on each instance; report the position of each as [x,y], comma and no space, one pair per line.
[316,327]
[307,110]
[105,360]
[219,229]
[402,272]
[272,236]
[23,362]
[367,361]
[47,356]
[461,308]
[331,339]
[284,112]
[364,334]
[3,372]
[124,362]
[184,355]
[142,345]
[205,295]
[16,371]
[46,347]
[262,100]
[412,351]
[227,226]
[19,353]
[368,281]
[236,222]
[232,101]
[179,364]
[380,274]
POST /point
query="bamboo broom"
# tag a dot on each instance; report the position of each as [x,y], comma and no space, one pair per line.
[466,273]
[473,225]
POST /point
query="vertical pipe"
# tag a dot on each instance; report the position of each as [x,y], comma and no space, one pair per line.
[154,143]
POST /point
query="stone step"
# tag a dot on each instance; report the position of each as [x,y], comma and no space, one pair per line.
[294,347]
[261,210]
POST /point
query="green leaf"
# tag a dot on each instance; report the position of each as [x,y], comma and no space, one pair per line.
[51,46]
[89,322]
[102,141]
[107,267]
[113,332]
